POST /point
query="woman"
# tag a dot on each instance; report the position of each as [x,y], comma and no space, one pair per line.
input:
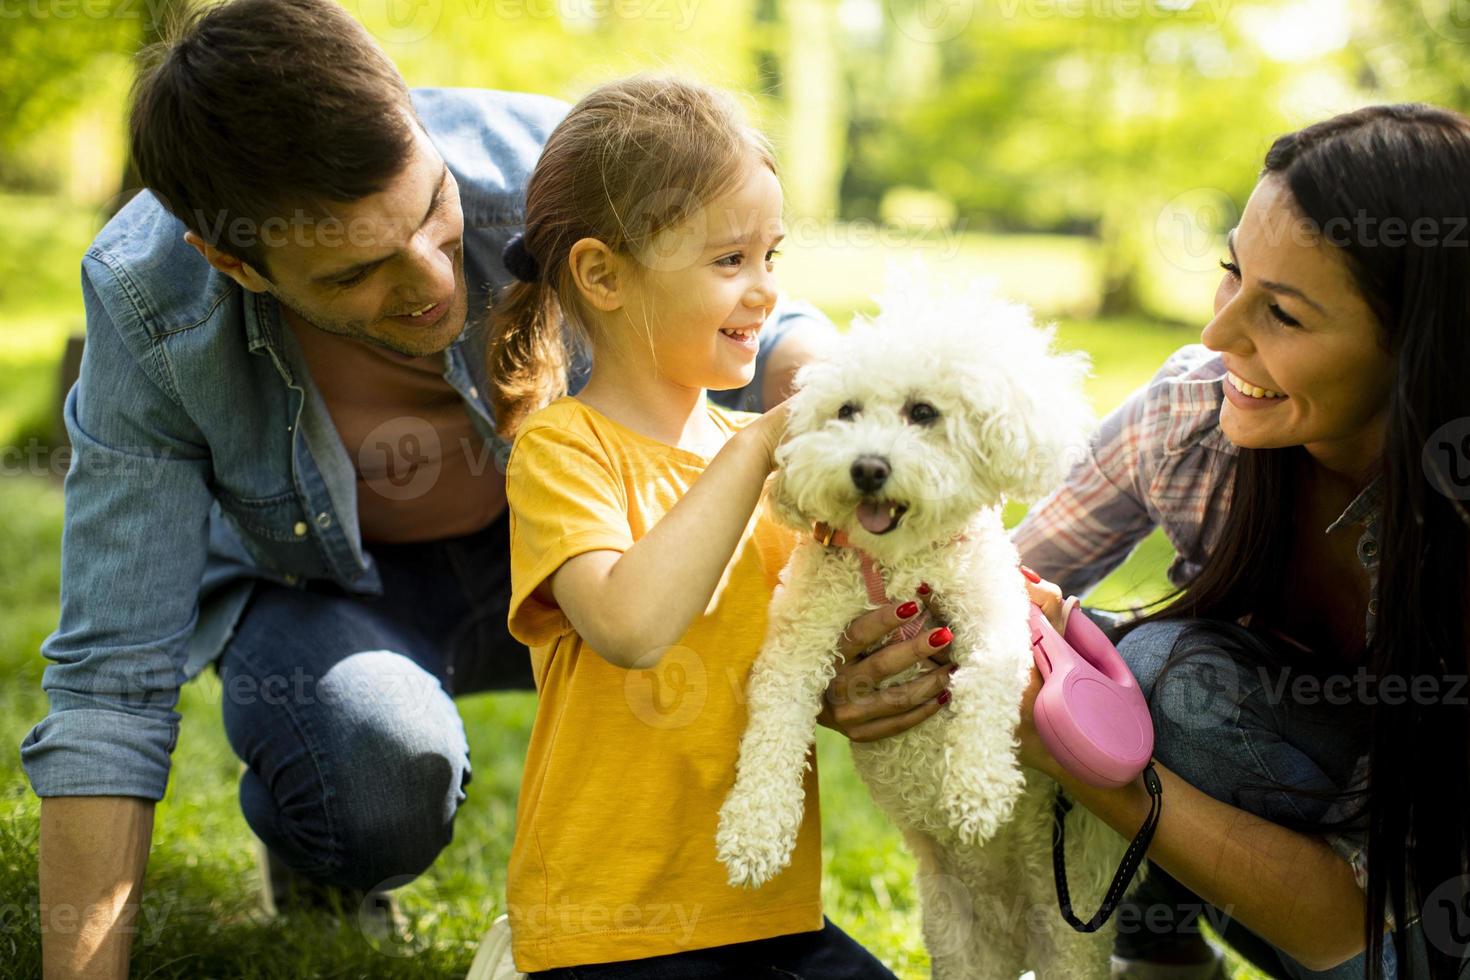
[1313,447]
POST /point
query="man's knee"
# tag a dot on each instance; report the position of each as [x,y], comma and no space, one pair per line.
[398,769]
[398,832]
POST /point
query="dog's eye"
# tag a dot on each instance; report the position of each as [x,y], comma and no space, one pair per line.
[847,411]
[922,412]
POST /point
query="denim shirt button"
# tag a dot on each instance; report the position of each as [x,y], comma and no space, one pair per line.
[300,529]
[324,520]
[474,391]
[1373,607]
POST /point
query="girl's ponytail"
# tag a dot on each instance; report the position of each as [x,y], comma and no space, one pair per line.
[527,355]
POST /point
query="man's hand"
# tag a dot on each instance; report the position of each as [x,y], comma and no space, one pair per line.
[856,707]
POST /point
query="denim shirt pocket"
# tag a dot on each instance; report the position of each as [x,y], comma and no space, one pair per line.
[277,532]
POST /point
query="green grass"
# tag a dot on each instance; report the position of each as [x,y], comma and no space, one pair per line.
[201,915]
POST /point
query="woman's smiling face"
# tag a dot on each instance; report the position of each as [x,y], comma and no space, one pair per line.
[1296,333]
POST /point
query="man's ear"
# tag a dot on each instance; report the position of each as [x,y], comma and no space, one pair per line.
[237,269]
[596,272]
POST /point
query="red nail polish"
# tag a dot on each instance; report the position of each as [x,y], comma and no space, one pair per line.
[923,588]
[953,668]
[908,609]
[1031,576]
[943,696]
[940,637]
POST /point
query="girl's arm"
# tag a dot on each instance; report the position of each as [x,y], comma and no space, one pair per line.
[630,606]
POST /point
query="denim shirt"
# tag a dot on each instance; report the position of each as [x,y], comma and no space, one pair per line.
[204,459]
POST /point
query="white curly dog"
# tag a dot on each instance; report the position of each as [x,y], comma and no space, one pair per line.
[905,441]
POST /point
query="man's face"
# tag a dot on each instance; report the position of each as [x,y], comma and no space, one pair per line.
[387,269]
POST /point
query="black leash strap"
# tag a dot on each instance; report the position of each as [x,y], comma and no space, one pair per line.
[1131,858]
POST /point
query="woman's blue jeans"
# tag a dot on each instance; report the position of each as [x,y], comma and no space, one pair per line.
[1222,727]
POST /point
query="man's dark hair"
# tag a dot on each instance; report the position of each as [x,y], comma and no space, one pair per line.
[254,109]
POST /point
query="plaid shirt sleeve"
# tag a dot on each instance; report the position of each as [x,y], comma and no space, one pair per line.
[1088,526]
[1158,460]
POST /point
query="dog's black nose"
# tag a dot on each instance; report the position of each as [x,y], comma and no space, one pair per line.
[869,473]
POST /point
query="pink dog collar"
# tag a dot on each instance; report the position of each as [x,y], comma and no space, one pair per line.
[872,578]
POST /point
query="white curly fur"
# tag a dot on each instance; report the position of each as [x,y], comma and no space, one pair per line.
[1011,418]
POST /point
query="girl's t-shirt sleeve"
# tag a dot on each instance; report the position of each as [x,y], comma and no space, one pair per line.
[565,499]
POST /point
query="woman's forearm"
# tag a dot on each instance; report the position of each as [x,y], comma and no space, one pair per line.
[657,588]
[1289,888]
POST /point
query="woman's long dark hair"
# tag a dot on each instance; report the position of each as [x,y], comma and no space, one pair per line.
[1363,180]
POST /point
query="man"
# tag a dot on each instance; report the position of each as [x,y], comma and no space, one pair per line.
[284,465]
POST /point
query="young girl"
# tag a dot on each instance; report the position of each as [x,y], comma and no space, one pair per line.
[641,566]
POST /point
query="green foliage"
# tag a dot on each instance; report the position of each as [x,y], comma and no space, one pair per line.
[50,53]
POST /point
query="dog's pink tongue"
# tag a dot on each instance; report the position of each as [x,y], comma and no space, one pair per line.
[873,515]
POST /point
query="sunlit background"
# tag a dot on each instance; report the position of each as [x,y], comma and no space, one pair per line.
[1087,154]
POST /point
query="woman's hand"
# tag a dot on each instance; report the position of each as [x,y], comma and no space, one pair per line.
[856,707]
[1033,752]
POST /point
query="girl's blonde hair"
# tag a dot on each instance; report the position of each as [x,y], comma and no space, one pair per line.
[632,158]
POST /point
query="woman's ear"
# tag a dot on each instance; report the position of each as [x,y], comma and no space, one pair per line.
[598,274]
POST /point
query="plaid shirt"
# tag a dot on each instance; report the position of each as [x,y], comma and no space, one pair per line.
[1160,460]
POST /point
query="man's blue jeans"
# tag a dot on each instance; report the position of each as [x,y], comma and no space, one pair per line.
[1223,727]
[342,707]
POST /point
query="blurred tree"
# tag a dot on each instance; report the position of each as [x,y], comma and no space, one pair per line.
[47,53]
[1414,50]
[1074,117]
[1078,116]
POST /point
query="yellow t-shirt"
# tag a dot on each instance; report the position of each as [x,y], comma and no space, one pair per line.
[614,853]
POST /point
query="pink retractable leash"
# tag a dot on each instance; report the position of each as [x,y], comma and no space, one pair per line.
[1092,717]
[1090,713]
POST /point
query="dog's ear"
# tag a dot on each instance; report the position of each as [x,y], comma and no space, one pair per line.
[813,382]
[1036,419]
[781,504]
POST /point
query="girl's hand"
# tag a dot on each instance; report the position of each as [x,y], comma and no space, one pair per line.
[770,428]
